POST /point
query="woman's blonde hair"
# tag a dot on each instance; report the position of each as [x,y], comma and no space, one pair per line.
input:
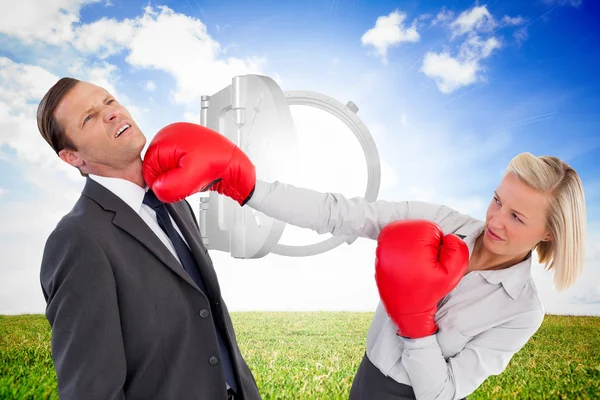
[566,214]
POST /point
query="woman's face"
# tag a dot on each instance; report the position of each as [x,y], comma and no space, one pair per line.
[515,219]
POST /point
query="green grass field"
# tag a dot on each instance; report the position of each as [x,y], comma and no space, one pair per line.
[315,356]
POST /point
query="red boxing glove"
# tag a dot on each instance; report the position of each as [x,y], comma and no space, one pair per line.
[185,158]
[415,267]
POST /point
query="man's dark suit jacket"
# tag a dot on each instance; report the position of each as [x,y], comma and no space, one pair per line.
[127,320]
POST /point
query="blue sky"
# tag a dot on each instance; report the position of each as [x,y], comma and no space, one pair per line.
[450,92]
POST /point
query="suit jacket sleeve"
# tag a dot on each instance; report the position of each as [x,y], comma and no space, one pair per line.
[80,292]
[333,213]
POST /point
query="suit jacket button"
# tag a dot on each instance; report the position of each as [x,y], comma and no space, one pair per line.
[213,360]
[204,313]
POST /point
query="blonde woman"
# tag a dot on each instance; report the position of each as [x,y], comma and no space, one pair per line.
[490,315]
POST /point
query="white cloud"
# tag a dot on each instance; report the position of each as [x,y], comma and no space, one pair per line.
[449,73]
[18,128]
[159,39]
[104,37]
[28,79]
[181,46]
[2,192]
[488,46]
[390,31]
[442,17]
[513,20]
[477,19]
[46,21]
[452,72]
[475,48]
[521,35]
[424,17]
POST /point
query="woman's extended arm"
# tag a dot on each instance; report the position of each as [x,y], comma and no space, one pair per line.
[336,214]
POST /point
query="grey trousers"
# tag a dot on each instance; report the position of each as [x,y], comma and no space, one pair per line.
[370,384]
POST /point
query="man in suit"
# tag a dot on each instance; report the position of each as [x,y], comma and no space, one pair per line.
[132,296]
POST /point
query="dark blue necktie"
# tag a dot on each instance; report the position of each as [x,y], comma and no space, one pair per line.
[189,264]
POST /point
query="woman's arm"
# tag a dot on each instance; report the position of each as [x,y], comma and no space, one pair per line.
[336,214]
[432,377]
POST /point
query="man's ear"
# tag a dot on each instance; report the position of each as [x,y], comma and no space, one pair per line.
[71,157]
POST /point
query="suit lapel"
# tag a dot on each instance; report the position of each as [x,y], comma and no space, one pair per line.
[191,235]
[129,221]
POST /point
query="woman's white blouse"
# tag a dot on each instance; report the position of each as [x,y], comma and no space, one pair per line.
[482,323]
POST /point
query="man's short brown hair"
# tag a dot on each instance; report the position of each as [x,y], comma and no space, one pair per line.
[52,131]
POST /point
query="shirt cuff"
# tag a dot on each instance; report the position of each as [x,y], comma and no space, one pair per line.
[261,190]
[420,343]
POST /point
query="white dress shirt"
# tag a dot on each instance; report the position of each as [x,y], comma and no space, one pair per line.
[133,196]
[482,323]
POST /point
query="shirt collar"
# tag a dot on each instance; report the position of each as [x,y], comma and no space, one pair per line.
[129,192]
[513,279]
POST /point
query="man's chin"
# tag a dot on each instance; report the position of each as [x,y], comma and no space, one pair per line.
[138,132]
[140,148]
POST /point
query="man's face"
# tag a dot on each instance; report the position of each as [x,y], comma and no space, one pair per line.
[94,122]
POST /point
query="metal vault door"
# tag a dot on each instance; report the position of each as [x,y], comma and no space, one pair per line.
[254,113]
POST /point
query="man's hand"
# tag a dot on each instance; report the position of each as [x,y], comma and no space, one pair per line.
[185,158]
[415,267]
